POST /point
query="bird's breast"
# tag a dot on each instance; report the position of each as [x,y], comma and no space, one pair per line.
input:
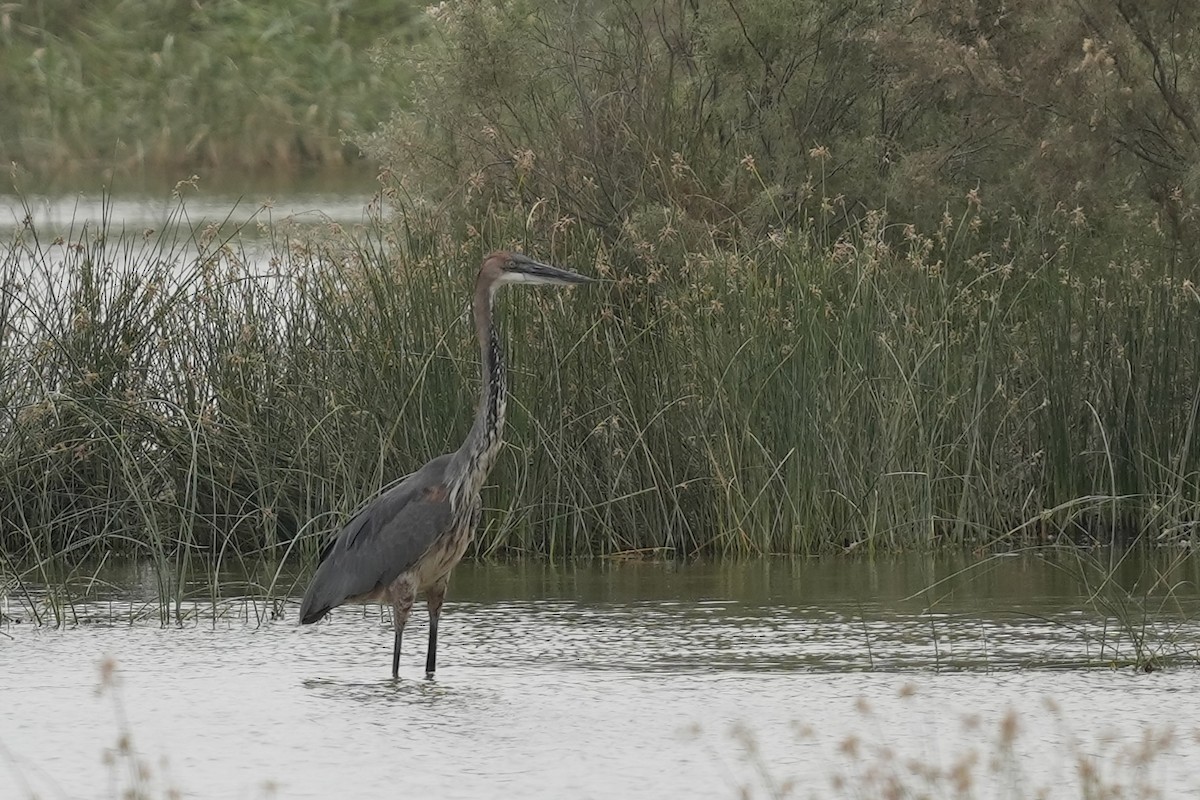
[448,549]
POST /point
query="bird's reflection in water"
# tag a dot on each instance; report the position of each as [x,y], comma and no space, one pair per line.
[447,695]
[384,690]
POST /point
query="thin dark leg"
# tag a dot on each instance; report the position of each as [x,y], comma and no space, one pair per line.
[401,606]
[431,655]
[435,597]
[396,650]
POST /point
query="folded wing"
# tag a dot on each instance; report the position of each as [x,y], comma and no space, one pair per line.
[383,540]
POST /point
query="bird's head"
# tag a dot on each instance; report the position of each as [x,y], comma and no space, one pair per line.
[501,268]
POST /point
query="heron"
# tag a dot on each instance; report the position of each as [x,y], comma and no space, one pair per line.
[407,540]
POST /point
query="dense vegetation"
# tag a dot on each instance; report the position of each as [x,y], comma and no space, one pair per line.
[771,398]
[882,275]
[163,83]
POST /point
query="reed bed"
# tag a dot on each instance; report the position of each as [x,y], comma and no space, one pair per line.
[881,389]
[161,84]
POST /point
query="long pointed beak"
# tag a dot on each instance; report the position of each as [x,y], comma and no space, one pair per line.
[536,272]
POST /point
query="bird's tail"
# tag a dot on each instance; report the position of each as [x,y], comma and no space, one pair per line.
[312,609]
[309,617]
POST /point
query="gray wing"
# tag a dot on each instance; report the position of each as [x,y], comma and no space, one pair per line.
[381,541]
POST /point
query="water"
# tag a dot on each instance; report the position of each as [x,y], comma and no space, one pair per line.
[777,678]
[137,205]
[252,212]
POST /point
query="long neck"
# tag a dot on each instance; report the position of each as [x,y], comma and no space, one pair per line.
[474,459]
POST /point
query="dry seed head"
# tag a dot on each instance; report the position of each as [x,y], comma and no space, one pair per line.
[803,730]
[108,673]
[1008,728]
[744,735]
[962,772]
[850,746]
[679,167]
[843,250]
[1153,744]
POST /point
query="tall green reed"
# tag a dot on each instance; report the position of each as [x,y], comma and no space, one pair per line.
[874,388]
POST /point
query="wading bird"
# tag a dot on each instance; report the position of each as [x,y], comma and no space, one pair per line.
[408,539]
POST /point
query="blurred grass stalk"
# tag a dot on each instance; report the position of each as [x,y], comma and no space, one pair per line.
[166,396]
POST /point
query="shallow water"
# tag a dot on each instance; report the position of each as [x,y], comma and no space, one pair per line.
[136,205]
[255,215]
[626,680]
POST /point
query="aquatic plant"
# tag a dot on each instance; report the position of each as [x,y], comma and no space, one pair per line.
[166,394]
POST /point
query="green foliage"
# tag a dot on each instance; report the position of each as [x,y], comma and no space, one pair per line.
[1086,104]
[971,362]
[882,276]
[167,83]
[608,110]
[762,396]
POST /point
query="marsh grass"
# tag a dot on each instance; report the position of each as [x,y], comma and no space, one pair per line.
[1143,606]
[161,84]
[867,390]
[1135,609]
